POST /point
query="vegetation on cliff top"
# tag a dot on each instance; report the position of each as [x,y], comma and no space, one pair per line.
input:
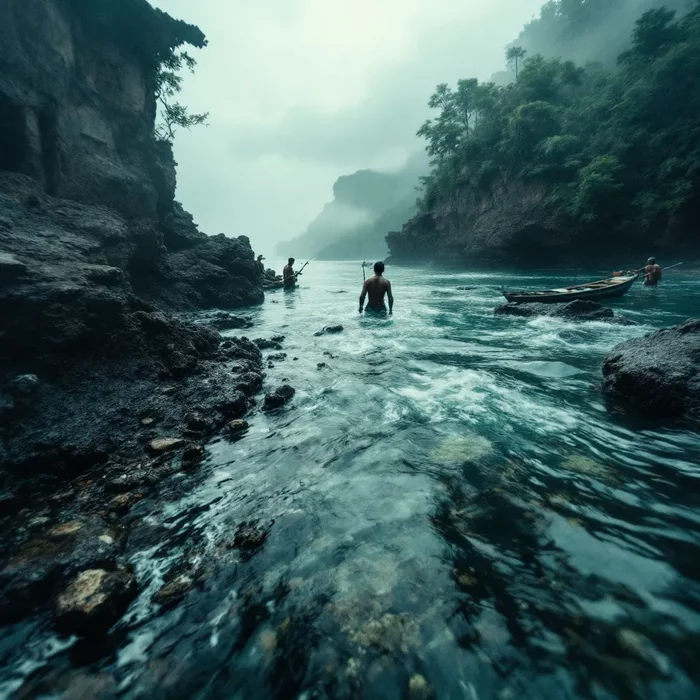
[618,148]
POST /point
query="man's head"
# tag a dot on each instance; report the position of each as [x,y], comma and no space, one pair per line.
[290,261]
[651,261]
[378,268]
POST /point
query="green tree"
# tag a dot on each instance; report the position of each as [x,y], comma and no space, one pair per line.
[172,115]
[653,32]
[515,54]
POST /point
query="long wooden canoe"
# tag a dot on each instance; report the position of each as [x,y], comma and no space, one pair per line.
[602,289]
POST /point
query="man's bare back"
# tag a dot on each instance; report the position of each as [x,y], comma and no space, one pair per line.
[376,288]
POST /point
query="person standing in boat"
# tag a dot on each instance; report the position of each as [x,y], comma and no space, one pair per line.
[652,273]
[289,277]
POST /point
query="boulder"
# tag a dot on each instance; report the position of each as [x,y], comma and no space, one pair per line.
[578,310]
[278,398]
[657,374]
[34,571]
[328,330]
[94,600]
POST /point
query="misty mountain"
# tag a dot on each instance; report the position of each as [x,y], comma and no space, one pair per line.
[583,30]
[366,206]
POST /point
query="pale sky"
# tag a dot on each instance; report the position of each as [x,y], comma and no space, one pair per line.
[303,91]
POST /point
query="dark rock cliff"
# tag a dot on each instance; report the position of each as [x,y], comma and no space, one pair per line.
[77,109]
[94,250]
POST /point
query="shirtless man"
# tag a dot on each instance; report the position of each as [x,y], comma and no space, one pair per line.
[289,277]
[376,287]
[652,273]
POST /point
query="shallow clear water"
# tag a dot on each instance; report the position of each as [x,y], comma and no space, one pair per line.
[453,509]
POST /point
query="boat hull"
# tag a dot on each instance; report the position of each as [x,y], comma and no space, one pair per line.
[603,289]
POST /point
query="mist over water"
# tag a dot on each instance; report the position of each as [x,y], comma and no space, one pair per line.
[452,509]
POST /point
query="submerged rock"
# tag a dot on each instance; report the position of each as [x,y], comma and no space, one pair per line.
[249,537]
[657,374]
[578,310]
[278,398]
[327,330]
[94,601]
[265,344]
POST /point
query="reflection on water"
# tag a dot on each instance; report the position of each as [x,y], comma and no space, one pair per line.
[451,509]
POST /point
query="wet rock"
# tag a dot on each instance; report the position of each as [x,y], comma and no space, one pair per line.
[233,404]
[249,383]
[277,338]
[265,344]
[34,572]
[127,482]
[224,321]
[122,502]
[327,330]
[196,421]
[192,455]
[11,268]
[24,386]
[658,374]
[249,537]
[418,688]
[167,444]
[278,357]
[237,426]
[278,398]
[578,310]
[321,365]
[94,600]
[174,591]
[147,420]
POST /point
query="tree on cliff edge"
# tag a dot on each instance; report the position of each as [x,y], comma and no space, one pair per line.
[172,114]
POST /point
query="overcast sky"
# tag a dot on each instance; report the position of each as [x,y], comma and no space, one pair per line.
[302,91]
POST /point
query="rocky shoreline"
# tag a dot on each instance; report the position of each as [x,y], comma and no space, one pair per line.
[108,394]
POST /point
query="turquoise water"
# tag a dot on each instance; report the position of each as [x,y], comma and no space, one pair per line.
[453,512]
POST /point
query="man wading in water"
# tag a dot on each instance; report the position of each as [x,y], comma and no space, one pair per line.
[289,277]
[652,273]
[376,287]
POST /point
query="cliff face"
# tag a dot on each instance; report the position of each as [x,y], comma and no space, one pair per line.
[510,223]
[77,108]
[93,247]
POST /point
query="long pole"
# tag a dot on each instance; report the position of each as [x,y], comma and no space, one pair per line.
[364,277]
[304,265]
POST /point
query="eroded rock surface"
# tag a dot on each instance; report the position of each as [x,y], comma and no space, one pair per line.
[657,374]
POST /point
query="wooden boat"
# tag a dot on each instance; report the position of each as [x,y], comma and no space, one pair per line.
[602,289]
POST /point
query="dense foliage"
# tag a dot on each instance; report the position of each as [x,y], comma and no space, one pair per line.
[618,146]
